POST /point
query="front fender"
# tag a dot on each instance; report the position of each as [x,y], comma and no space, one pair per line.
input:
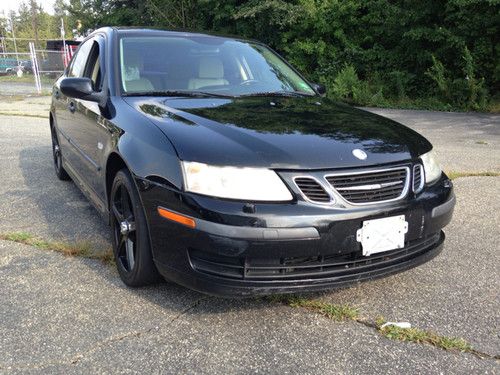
[146,151]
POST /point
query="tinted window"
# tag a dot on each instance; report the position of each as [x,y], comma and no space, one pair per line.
[200,63]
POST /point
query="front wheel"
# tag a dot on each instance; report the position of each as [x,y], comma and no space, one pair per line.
[57,157]
[131,245]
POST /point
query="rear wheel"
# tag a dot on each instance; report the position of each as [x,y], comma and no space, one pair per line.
[131,245]
[57,156]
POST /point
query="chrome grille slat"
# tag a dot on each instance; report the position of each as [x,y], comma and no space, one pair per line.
[418,178]
[356,186]
[372,177]
[312,190]
[367,187]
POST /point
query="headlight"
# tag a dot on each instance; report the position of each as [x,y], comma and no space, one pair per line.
[431,167]
[254,184]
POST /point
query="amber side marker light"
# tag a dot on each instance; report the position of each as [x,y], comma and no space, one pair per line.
[184,220]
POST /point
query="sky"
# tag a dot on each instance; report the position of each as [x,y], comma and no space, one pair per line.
[7,5]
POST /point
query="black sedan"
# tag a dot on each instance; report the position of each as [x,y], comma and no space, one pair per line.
[219,167]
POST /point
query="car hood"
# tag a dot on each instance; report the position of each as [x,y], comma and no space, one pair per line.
[280,133]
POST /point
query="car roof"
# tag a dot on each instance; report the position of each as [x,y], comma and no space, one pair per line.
[124,30]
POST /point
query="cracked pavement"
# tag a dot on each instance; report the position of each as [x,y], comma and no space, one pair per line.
[72,315]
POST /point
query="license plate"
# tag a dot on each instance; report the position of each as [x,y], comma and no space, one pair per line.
[379,235]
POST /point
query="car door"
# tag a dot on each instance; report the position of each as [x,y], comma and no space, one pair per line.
[90,133]
[66,118]
[85,126]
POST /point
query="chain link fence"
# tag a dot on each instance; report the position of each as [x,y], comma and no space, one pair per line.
[33,72]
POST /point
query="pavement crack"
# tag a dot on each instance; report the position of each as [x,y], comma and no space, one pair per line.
[477,353]
[73,360]
[187,309]
[414,335]
[132,334]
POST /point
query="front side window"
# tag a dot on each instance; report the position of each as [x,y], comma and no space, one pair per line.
[93,69]
[201,63]
[78,63]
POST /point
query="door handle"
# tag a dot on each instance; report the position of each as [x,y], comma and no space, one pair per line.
[57,95]
[72,106]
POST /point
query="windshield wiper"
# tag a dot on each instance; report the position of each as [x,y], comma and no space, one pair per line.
[186,94]
[278,93]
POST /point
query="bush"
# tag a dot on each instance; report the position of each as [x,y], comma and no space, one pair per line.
[398,83]
[348,87]
[346,83]
[467,92]
[437,73]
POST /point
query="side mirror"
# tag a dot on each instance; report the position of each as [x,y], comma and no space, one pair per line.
[319,88]
[79,88]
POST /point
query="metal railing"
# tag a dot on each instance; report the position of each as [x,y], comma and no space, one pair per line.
[33,71]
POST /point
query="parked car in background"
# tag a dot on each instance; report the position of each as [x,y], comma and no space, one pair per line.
[219,167]
[27,66]
[8,65]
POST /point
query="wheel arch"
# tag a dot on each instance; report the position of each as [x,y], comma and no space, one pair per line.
[114,163]
[52,120]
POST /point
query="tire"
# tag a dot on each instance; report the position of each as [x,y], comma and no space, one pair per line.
[131,246]
[57,156]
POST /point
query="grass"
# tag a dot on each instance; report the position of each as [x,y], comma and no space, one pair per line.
[424,103]
[22,114]
[82,249]
[494,106]
[331,311]
[421,336]
[26,78]
[349,313]
[328,310]
[453,175]
[12,98]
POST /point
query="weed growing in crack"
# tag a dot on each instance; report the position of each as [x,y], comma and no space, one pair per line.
[453,175]
[329,310]
[82,249]
[421,336]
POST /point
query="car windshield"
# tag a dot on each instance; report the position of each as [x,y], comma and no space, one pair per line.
[190,65]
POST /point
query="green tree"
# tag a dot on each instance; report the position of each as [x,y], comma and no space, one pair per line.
[393,46]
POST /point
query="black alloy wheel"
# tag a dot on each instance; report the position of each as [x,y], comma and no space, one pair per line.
[57,156]
[131,245]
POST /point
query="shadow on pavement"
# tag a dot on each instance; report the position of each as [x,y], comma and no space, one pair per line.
[62,212]
[59,209]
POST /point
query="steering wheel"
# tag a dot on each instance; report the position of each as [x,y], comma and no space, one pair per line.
[248,82]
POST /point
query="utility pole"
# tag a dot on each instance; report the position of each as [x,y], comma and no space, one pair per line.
[13,37]
[34,20]
[65,50]
[4,32]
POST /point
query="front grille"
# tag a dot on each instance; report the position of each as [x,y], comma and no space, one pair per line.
[312,189]
[371,186]
[418,180]
[305,267]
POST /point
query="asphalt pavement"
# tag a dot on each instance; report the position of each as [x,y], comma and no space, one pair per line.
[24,88]
[72,315]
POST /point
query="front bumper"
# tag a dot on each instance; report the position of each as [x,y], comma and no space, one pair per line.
[285,248]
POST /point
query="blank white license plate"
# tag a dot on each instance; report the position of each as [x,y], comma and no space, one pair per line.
[379,235]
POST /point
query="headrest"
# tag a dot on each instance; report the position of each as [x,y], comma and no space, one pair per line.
[133,59]
[210,67]
[133,66]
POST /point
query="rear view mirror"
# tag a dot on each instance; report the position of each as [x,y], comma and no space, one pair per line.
[319,88]
[79,88]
